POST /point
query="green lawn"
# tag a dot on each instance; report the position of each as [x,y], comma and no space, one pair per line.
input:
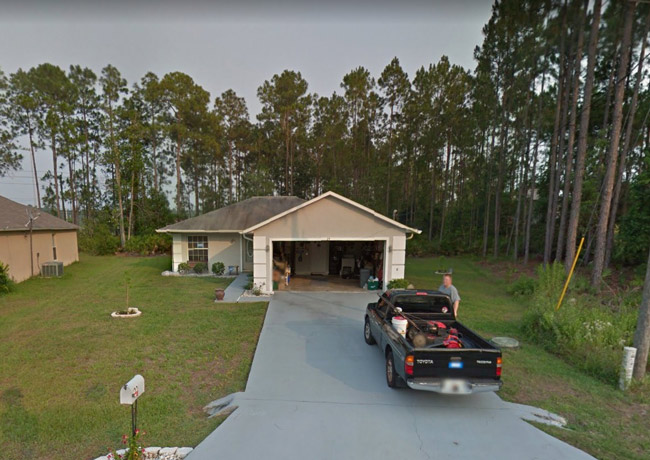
[63,358]
[602,420]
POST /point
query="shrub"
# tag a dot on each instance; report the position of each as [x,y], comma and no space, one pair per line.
[96,238]
[585,332]
[200,267]
[398,283]
[149,244]
[218,268]
[5,280]
[523,287]
[184,267]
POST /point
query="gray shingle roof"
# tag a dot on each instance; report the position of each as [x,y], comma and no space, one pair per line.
[238,216]
[14,217]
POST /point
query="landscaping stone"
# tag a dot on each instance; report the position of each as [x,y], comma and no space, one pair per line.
[505,342]
[134,313]
[182,452]
[194,275]
[156,453]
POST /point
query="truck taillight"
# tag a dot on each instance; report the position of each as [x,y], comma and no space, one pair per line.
[408,365]
[499,362]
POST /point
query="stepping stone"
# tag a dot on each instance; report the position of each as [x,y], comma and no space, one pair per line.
[505,342]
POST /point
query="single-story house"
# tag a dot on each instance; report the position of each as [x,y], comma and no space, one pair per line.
[24,249]
[327,236]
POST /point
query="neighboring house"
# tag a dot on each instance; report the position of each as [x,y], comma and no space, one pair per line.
[318,237]
[25,251]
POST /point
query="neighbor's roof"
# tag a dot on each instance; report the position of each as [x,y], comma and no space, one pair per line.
[236,217]
[14,218]
[361,207]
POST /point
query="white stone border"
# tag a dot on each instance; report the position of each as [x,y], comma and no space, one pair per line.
[154,453]
[135,314]
[197,275]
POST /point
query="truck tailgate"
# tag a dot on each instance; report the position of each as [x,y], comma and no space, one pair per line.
[456,363]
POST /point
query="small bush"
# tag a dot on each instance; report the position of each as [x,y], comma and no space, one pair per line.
[184,267]
[523,287]
[218,268]
[398,283]
[200,267]
[97,239]
[5,280]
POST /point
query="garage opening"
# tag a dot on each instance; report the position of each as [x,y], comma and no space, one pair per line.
[328,265]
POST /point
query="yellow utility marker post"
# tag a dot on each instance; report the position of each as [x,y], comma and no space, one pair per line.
[568,280]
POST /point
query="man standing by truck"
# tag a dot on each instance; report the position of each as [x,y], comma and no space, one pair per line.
[447,288]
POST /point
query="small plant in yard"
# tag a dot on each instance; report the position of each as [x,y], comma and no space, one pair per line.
[257,290]
[5,280]
[398,283]
[218,268]
[200,267]
[523,287]
[133,450]
[184,267]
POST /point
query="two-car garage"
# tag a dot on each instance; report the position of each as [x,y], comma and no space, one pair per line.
[326,240]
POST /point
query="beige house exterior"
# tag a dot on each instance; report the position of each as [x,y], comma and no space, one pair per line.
[310,231]
[50,239]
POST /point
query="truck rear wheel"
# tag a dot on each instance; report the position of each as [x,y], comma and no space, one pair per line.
[392,378]
[367,333]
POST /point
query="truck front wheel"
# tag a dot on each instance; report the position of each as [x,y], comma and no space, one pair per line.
[367,333]
[392,378]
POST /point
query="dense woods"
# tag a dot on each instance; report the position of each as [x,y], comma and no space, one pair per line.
[543,142]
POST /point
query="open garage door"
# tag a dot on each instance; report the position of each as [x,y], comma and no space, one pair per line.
[326,265]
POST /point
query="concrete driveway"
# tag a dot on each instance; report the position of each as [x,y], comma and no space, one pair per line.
[317,391]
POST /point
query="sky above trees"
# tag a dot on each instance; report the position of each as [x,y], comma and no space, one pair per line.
[234,45]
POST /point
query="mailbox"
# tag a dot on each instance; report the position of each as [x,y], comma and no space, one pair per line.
[132,390]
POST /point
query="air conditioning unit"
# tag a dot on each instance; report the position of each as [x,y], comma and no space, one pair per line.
[52,269]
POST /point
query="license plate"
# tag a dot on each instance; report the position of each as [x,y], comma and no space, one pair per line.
[456,365]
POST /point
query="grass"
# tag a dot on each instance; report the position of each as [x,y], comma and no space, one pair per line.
[602,420]
[64,358]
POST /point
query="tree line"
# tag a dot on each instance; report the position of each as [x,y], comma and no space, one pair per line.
[543,142]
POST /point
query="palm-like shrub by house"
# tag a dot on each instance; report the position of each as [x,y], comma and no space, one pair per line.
[5,280]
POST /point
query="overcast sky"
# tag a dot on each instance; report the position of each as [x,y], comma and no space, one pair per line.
[233,44]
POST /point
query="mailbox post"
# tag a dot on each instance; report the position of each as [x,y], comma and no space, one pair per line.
[129,394]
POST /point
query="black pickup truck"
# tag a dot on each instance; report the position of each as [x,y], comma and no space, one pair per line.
[426,348]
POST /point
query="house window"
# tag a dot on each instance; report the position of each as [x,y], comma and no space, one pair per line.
[197,248]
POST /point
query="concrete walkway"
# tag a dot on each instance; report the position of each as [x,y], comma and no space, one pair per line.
[317,391]
[235,290]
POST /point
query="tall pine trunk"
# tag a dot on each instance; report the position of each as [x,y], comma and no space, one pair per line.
[572,134]
[627,144]
[30,130]
[56,176]
[642,334]
[572,230]
[552,161]
[617,120]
